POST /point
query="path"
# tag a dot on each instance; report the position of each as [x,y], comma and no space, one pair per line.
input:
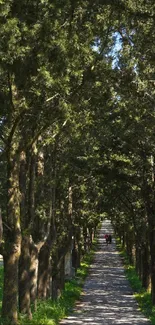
[107,297]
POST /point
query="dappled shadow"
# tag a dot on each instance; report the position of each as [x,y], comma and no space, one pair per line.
[107,297]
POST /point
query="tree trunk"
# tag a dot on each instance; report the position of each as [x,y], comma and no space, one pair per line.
[10,289]
[75,257]
[54,292]
[24,261]
[152,253]
[54,287]
[68,264]
[44,271]
[90,236]
[148,193]
[85,238]
[62,276]
[138,258]
[33,273]
[24,278]
[1,227]
[31,193]
[129,247]
[145,266]
[77,248]
[58,280]
[22,184]
[12,243]
[151,222]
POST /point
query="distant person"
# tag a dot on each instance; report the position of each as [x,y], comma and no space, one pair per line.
[106,238]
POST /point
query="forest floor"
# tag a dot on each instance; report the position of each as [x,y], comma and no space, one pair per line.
[107,297]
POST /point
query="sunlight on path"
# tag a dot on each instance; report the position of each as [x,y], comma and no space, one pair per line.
[107,297]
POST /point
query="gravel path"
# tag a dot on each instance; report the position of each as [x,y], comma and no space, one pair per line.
[107,297]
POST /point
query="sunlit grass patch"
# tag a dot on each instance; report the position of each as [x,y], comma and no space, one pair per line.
[50,312]
[133,278]
[144,301]
[152,317]
[145,304]
[83,271]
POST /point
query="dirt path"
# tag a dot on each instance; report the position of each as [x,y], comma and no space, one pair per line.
[107,297]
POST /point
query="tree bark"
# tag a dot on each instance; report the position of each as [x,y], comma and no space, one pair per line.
[85,238]
[31,193]
[148,193]
[58,280]
[138,258]
[152,253]
[24,278]
[44,271]
[1,227]
[22,184]
[10,289]
[145,266]
[12,242]
[33,272]
[129,246]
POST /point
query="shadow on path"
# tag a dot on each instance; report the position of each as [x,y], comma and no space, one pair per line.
[107,297]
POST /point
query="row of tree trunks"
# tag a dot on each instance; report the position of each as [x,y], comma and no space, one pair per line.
[88,236]
[138,252]
[31,270]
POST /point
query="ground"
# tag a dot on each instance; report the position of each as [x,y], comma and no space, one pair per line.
[107,297]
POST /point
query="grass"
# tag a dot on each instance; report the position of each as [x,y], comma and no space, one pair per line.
[142,296]
[50,312]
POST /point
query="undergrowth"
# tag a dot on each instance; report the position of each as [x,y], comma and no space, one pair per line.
[142,296]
